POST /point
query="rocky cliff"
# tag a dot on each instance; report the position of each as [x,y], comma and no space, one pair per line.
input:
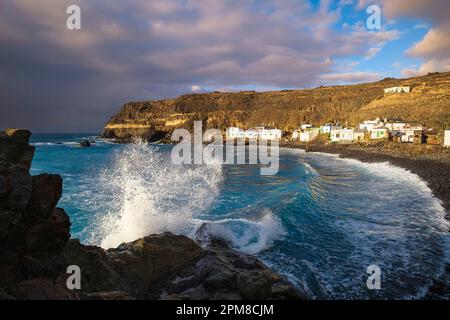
[36,249]
[427,103]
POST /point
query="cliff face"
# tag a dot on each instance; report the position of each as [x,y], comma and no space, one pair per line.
[36,249]
[428,103]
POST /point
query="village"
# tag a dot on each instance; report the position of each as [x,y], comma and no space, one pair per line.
[388,129]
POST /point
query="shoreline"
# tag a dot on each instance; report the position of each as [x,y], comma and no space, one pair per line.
[435,173]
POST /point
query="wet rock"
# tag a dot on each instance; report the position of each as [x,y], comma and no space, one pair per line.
[85,143]
[145,264]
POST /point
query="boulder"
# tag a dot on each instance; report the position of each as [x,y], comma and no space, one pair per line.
[145,264]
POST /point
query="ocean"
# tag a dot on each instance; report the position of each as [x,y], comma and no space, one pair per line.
[321,221]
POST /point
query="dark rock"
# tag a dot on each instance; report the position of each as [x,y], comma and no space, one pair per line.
[42,289]
[15,152]
[112,295]
[146,263]
[50,235]
[11,230]
[97,274]
[85,143]
[20,193]
[5,185]
[47,190]
[19,135]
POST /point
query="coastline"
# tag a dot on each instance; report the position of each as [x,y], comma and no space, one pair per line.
[435,170]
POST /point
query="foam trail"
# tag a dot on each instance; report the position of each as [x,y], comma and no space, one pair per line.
[249,236]
[151,195]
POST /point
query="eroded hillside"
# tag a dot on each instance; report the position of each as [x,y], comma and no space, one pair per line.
[428,103]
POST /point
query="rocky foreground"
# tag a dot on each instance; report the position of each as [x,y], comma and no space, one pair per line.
[36,250]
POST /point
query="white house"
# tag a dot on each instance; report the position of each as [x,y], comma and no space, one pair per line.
[309,134]
[335,134]
[398,90]
[369,125]
[447,138]
[346,135]
[305,126]
[379,133]
[296,134]
[270,134]
[326,128]
[251,134]
[232,132]
[395,126]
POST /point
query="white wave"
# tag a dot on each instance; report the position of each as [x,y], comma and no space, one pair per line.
[247,235]
[152,195]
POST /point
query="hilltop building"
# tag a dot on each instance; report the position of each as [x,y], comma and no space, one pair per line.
[447,138]
[398,90]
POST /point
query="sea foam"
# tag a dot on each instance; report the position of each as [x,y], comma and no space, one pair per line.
[151,195]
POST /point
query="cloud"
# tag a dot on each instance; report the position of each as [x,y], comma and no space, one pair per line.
[351,77]
[58,79]
[434,48]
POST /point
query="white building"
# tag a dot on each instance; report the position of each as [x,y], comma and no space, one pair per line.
[395,126]
[398,90]
[232,132]
[379,133]
[305,126]
[447,138]
[346,135]
[296,134]
[270,134]
[335,134]
[251,134]
[326,129]
[369,125]
[309,134]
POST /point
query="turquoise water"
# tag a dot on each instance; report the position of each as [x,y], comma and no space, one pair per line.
[321,221]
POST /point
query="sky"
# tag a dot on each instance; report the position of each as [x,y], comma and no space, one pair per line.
[53,79]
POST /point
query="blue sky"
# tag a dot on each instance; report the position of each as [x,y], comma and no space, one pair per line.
[55,79]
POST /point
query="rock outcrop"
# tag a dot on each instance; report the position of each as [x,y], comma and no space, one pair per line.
[155,120]
[36,250]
